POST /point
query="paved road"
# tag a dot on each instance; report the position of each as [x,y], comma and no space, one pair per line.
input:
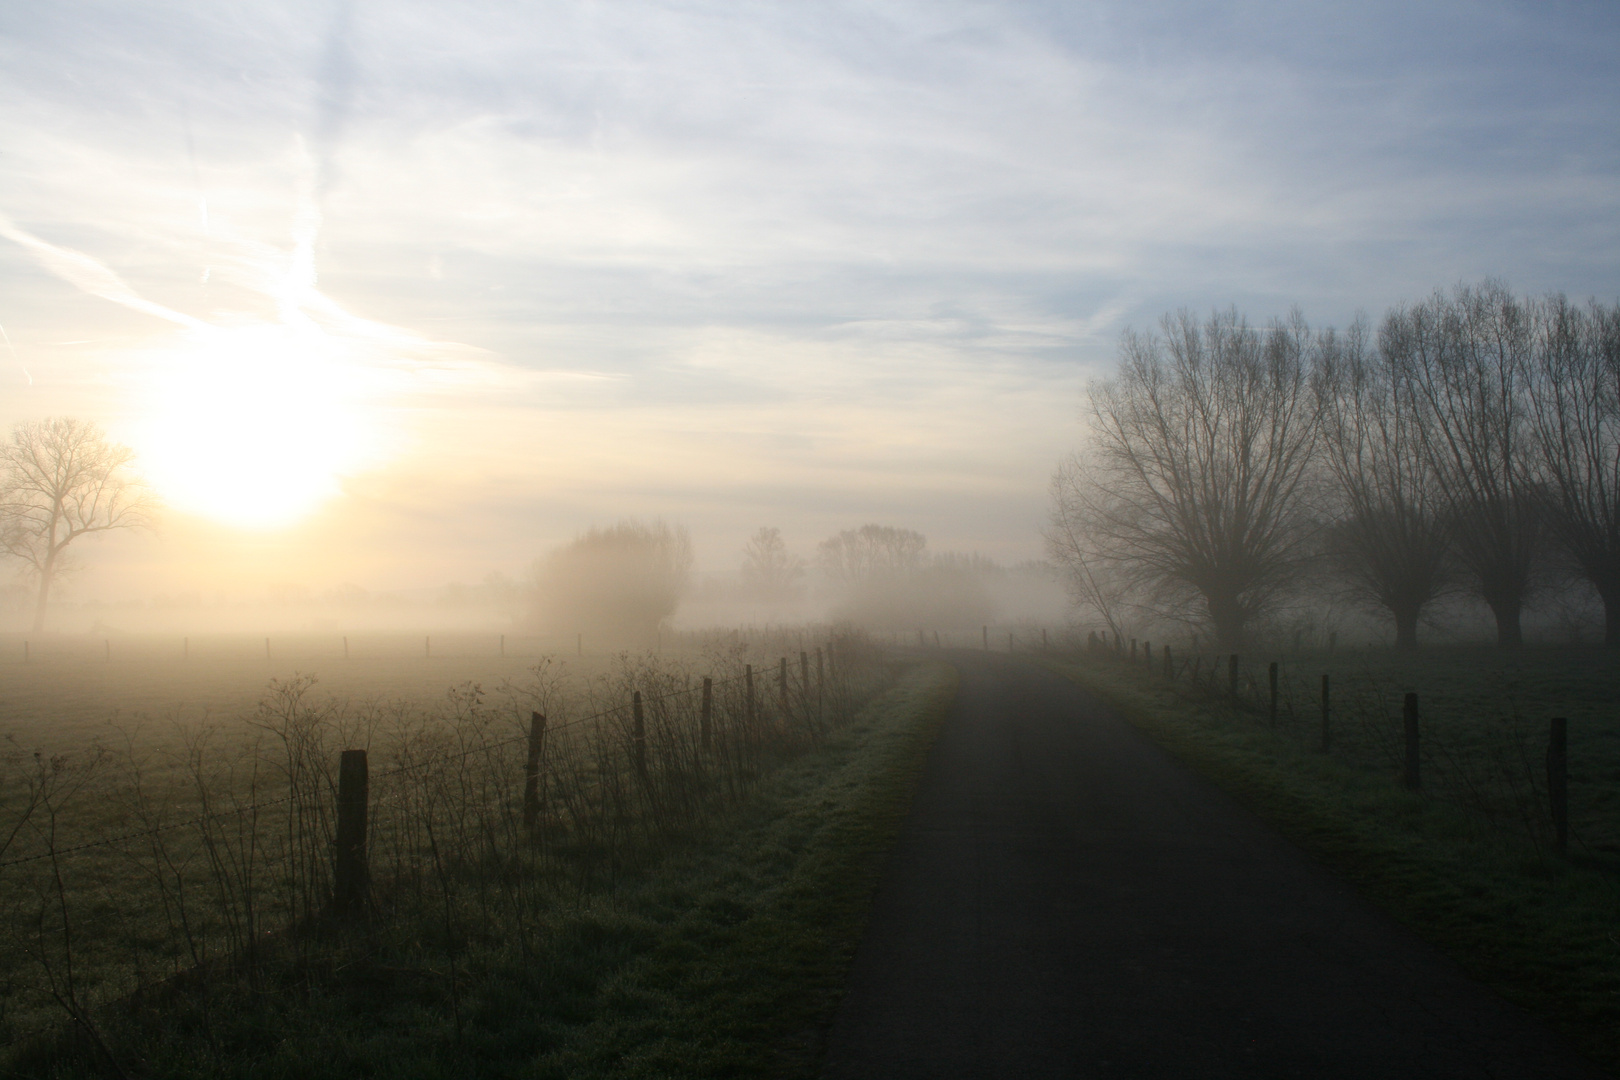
[1068,901]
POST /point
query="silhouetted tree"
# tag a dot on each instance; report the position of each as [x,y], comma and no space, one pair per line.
[1092,580]
[871,551]
[1467,359]
[1200,450]
[1389,531]
[1575,410]
[769,570]
[616,584]
[61,479]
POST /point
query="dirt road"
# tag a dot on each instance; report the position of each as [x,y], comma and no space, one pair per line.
[1066,900]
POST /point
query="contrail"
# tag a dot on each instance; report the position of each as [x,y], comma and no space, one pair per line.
[14,355]
[86,273]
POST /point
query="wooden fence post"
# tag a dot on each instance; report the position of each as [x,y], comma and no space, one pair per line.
[639,737]
[804,674]
[936,639]
[1147,655]
[349,870]
[1271,674]
[748,696]
[705,712]
[1411,779]
[1232,674]
[1558,781]
[531,770]
[781,686]
[1133,650]
[25,650]
[1327,729]
[1009,641]
[1169,664]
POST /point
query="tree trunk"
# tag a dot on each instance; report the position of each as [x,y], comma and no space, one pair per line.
[1611,615]
[1227,615]
[44,598]
[1508,632]
[1406,623]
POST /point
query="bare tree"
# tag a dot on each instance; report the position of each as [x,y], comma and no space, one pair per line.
[61,479]
[1092,580]
[1467,359]
[769,570]
[1201,447]
[1575,410]
[1390,533]
[861,555]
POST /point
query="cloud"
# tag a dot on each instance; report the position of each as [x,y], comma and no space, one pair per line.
[860,247]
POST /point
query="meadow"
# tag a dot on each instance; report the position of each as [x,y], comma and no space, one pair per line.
[1470,858]
[170,822]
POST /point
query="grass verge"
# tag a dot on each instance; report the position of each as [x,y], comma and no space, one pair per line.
[725,956]
[1542,930]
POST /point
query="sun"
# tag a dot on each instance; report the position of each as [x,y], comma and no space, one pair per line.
[254,426]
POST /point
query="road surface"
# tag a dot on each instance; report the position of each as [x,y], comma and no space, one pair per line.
[1066,900]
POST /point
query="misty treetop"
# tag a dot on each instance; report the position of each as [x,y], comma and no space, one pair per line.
[617,584]
[1472,448]
[60,479]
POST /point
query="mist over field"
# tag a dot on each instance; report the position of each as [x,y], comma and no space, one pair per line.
[390,306]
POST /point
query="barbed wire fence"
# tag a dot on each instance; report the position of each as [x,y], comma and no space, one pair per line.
[468,821]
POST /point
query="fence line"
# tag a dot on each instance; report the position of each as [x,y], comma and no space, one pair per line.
[385,774]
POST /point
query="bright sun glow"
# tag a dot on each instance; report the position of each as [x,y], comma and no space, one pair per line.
[254,426]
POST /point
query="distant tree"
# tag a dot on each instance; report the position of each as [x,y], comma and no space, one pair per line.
[769,570]
[61,479]
[1467,358]
[1092,579]
[1389,532]
[1195,483]
[1575,411]
[615,584]
[871,552]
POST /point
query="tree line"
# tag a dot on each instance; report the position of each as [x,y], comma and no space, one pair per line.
[1468,446]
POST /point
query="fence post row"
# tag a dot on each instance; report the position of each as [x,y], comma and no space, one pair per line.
[531,770]
[349,871]
[1558,780]
[1410,778]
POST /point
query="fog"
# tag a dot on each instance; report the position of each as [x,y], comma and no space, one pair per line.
[394,306]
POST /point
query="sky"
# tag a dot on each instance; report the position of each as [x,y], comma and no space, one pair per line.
[398,294]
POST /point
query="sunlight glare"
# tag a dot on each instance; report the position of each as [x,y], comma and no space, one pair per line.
[254,426]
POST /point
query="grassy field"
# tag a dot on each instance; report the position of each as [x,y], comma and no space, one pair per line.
[72,686]
[1468,861]
[196,921]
